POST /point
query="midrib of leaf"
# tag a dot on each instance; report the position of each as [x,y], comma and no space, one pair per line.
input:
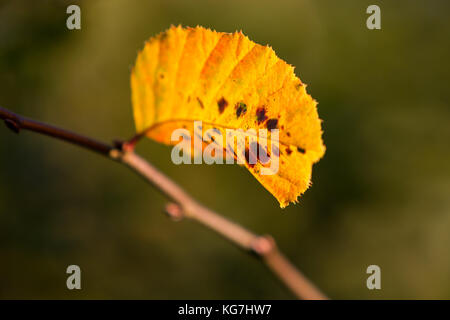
[161,123]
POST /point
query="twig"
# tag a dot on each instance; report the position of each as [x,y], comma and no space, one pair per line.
[182,205]
[16,123]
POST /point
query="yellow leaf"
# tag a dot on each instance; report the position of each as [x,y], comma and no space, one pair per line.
[228,82]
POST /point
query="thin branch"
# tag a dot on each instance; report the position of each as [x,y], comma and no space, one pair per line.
[182,205]
[16,123]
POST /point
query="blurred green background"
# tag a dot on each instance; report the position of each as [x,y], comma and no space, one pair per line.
[381,194]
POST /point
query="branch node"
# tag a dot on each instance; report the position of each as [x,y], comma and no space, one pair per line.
[115,154]
[124,146]
[12,125]
[174,211]
[263,245]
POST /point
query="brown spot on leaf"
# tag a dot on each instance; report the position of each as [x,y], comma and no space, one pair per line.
[222,103]
[200,102]
[261,115]
[288,134]
[301,150]
[247,158]
[272,124]
[288,151]
[241,109]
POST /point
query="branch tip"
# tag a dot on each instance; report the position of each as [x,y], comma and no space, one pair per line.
[12,125]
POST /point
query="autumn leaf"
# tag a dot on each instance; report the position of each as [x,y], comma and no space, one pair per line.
[228,82]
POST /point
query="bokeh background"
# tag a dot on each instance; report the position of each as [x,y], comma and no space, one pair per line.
[381,194]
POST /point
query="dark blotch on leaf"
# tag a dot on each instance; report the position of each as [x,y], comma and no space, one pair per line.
[261,115]
[301,150]
[222,103]
[272,124]
[247,158]
[288,151]
[200,102]
[241,109]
